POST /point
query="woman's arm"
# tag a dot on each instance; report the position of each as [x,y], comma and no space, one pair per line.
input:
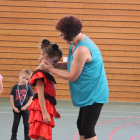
[80,57]
[61,65]
[40,90]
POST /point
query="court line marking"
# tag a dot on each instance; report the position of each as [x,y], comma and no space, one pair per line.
[134,137]
[6,112]
[112,133]
[77,115]
[137,125]
[78,110]
[76,135]
[100,115]
[101,111]
[121,111]
[6,107]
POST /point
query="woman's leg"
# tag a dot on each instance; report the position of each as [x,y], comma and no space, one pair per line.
[79,122]
[83,138]
[90,116]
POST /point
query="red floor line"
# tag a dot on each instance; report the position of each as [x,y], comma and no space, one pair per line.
[76,135]
[134,137]
[112,133]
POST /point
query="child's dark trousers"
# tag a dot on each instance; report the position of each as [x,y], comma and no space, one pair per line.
[16,121]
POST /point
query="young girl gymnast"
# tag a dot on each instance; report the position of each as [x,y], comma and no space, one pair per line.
[42,109]
[1,84]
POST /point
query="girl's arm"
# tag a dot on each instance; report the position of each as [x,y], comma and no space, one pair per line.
[1,86]
[40,90]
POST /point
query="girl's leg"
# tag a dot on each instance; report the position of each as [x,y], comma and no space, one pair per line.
[40,138]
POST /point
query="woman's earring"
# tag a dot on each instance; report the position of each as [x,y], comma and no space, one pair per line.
[71,42]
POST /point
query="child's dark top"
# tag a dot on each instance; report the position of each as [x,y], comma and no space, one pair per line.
[21,96]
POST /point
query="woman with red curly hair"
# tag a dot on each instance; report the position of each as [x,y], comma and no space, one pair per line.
[86,75]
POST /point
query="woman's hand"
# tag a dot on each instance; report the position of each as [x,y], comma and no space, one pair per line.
[40,59]
[57,115]
[47,66]
[46,117]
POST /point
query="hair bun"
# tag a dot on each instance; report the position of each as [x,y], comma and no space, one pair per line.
[55,47]
[45,41]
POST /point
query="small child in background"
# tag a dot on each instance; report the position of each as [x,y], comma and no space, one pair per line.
[21,97]
[1,84]
[42,109]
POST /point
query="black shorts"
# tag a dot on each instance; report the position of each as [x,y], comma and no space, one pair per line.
[87,120]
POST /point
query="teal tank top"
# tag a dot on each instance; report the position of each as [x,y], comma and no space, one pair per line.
[91,86]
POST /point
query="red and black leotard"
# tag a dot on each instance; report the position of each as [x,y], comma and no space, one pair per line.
[38,127]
